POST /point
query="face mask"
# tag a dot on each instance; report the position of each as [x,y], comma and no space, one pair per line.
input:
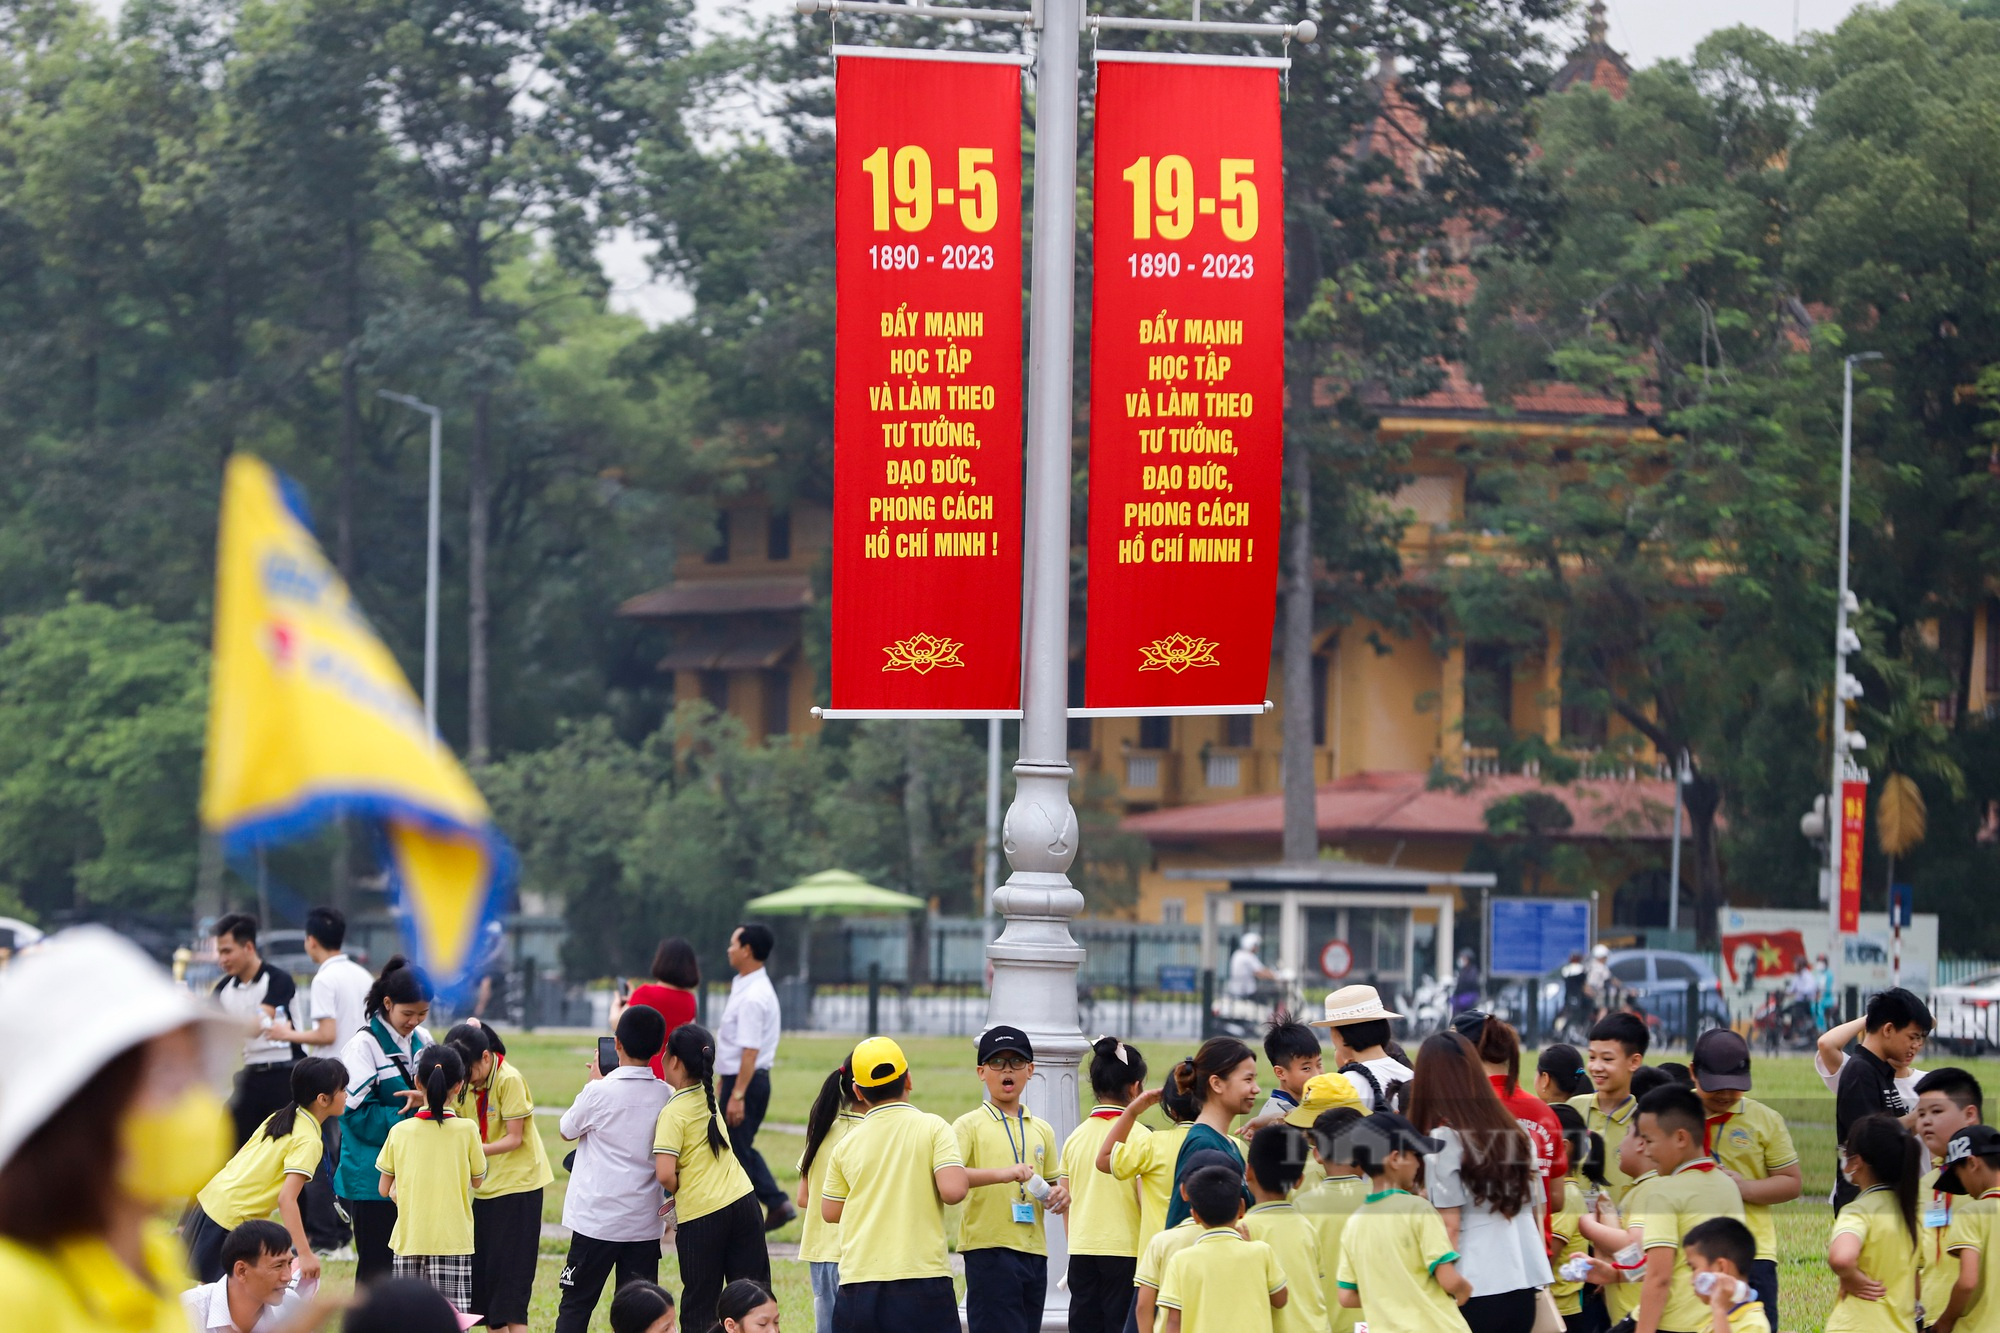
[171,1151]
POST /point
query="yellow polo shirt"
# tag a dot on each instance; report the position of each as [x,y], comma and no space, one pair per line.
[526,1167]
[1150,1155]
[80,1286]
[1937,1272]
[819,1239]
[892,1223]
[1973,1224]
[1327,1206]
[1889,1255]
[1103,1215]
[710,1178]
[1291,1237]
[1569,1242]
[1748,1318]
[1695,1192]
[247,1186]
[988,1139]
[1613,1126]
[1622,1298]
[1223,1284]
[1753,1141]
[1390,1254]
[434,1166]
[1151,1269]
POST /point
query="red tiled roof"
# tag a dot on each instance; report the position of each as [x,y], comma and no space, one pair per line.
[1404,805]
[1459,394]
[712,597]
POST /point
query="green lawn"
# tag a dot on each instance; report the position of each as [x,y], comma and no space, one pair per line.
[941,1069]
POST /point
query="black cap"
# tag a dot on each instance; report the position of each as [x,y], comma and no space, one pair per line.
[1972,1141]
[1470,1023]
[1202,1157]
[1003,1038]
[1721,1061]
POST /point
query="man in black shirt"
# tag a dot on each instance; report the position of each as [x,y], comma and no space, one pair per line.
[1893,1033]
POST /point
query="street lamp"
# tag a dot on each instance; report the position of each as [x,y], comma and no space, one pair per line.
[1845,641]
[436,414]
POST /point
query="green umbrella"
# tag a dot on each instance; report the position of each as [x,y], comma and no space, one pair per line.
[830,892]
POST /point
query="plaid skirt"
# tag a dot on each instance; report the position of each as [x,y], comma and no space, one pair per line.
[451,1274]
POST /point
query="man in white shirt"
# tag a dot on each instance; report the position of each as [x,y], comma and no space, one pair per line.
[746,1046]
[339,998]
[1246,967]
[261,996]
[612,1208]
[255,1293]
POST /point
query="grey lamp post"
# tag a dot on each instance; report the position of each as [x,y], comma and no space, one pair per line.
[1845,641]
[436,415]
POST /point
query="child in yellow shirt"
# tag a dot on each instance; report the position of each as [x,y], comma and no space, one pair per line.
[1221,1283]
[1972,1169]
[1131,1150]
[1147,1317]
[1721,1251]
[430,1164]
[1272,1168]
[1328,1204]
[1874,1245]
[1397,1265]
[1103,1210]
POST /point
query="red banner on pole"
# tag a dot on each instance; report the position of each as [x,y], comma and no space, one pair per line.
[1853,819]
[927,386]
[1187,386]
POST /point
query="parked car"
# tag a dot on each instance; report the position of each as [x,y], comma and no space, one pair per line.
[1968,1013]
[1658,979]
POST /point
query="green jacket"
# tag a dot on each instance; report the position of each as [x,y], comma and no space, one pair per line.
[377,1069]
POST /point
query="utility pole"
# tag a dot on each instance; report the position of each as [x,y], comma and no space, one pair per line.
[1845,642]
[436,415]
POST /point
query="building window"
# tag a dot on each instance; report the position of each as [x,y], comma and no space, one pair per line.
[718,554]
[1173,911]
[1156,733]
[715,690]
[1489,695]
[1993,647]
[1239,731]
[1322,668]
[1223,770]
[777,702]
[778,537]
[1079,727]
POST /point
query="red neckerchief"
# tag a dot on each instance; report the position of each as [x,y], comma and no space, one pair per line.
[1708,1127]
[1108,1113]
[1699,1164]
[479,1094]
[425,1114]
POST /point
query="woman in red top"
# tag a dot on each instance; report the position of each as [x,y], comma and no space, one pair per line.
[1499,1050]
[676,974]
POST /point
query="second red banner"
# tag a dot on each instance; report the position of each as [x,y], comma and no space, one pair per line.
[1186,386]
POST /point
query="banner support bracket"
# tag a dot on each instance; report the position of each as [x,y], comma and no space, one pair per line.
[946,12]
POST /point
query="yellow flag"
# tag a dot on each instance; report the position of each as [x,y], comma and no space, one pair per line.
[310,719]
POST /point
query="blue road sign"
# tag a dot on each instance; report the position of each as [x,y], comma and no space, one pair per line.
[1176,979]
[1534,936]
[1901,899]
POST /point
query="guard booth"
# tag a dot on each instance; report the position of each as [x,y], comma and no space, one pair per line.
[1336,923]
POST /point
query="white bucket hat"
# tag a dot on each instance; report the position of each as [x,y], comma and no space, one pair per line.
[1352,1004]
[71,1004]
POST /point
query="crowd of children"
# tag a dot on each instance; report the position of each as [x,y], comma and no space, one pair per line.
[1642,1197]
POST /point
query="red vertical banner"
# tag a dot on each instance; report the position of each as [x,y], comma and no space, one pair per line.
[927,386]
[1187,349]
[1853,819]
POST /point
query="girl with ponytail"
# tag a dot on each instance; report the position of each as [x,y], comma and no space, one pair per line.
[1105,1212]
[719,1231]
[429,1166]
[382,1090]
[270,1170]
[1221,1077]
[834,1112]
[507,1207]
[1129,1149]
[746,1307]
[1874,1247]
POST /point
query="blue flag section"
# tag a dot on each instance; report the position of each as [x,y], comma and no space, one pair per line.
[310,720]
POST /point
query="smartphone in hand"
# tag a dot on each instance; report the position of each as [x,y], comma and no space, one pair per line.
[607,1055]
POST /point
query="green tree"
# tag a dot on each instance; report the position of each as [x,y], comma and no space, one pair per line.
[101,719]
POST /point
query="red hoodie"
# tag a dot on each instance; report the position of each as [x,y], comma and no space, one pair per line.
[1545,1133]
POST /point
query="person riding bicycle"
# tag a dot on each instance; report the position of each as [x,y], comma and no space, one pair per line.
[1576,997]
[1599,984]
[1802,993]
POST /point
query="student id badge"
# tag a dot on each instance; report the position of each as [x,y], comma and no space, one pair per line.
[1024,1212]
[1937,1215]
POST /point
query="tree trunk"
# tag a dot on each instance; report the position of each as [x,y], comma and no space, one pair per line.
[1301,842]
[350,399]
[1703,800]
[477,738]
[921,839]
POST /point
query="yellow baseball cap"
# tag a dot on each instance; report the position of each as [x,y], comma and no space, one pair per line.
[1324,1092]
[879,1060]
